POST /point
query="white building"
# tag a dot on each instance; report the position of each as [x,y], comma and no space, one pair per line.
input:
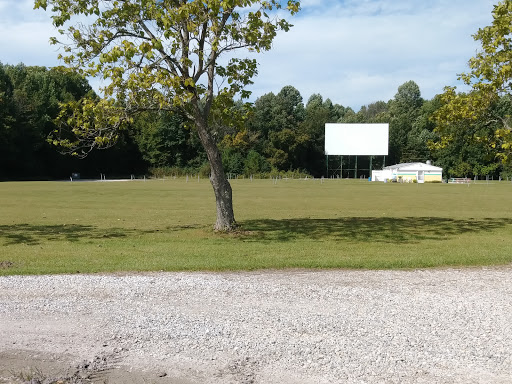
[408,172]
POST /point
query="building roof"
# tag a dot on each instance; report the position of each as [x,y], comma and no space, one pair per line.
[413,167]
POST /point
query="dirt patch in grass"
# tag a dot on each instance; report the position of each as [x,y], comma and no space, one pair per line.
[6,264]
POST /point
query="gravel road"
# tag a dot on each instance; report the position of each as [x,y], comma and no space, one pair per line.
[421,326]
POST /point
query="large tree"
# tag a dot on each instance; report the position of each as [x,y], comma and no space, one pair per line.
[490,78]
[404,109]
[163,55]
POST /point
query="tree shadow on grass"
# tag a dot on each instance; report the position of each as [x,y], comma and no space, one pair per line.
[368,229]
[34,234]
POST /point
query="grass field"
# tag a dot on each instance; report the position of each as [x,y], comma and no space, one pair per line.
[83,227]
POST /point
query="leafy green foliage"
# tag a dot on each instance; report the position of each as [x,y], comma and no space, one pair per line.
[490,77]
[404,109]
[255,163]
[166,142]
[290,135]
[6,114]
[164,54]
[30,102]
[466,146]
[163,140]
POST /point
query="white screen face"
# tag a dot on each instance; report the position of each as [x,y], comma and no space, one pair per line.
[356,139]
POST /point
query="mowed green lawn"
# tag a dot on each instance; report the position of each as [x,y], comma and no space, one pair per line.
[84,227]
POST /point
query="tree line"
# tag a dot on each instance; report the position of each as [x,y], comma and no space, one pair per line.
[30,99]
[279,133]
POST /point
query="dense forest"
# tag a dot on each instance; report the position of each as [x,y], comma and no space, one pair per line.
[29,103]
[280,133]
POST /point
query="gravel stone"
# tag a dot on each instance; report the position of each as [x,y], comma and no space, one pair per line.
[420,326]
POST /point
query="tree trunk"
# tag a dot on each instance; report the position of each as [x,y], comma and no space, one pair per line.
[221,187]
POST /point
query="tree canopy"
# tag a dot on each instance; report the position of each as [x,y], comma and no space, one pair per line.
[490,78]
[163,55]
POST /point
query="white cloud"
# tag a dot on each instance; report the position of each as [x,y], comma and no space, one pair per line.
[352,51]
[27,43]
[357,52]
[25,34]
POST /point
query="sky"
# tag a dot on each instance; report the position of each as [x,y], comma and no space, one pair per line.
[353,52]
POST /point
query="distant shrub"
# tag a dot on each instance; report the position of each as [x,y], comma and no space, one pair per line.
[292,174]
[255,164]
[161,172]
[204,171]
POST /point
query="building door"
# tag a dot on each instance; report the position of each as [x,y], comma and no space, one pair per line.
[421,176]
